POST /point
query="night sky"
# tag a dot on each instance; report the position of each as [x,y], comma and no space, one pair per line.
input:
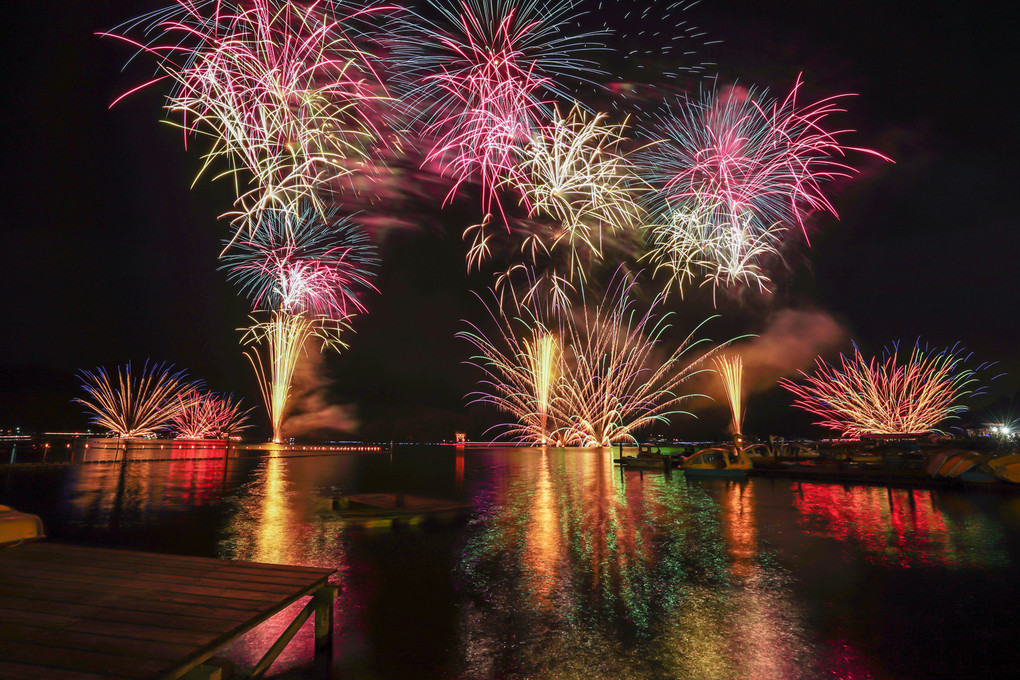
[109,255]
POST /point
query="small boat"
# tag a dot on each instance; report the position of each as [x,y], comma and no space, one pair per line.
[18,527]
[960,462]
[642,462]
[869,458]
[384,510]
[937,458]
[1004,468]
[719,461]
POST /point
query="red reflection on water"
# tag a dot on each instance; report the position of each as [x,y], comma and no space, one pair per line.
[839,659]
[893,526]
[197,471]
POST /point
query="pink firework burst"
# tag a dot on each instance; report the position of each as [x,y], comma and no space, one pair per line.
[207,416]
[872,396]
[736,174]
[483,84]
[304,263]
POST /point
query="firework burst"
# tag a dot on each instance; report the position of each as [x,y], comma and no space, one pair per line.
[283,91]
[207,416]
[136,404]
[483,84]
[304,263]
[588,378]
[874,396]
[735,172]
[576,175]
[304,273]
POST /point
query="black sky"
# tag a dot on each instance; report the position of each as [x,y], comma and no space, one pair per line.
[108,254]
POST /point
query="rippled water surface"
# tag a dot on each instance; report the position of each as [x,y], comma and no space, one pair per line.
[566,567]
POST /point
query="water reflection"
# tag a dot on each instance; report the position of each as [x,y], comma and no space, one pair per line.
[577,570]
[902,527]
[568,567]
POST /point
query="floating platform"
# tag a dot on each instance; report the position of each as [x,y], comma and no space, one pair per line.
[70,612]
[385,510]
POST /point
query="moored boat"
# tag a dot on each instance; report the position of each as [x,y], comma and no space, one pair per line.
[718,461]
[960,462]
[937,458]
[17,527]
[646,462]
[999,469]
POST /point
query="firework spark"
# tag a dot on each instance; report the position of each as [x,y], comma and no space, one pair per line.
[304,263]
[731,372]
[135,404]
[576,175]
[603,376]
[543,359]
[283,91]
[304,272]
[207,416]
[483,85]
[863,396]
[736,173]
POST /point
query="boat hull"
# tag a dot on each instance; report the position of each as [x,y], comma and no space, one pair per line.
[708,472]
[641,463]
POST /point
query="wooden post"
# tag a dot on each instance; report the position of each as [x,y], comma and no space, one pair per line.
[324,599]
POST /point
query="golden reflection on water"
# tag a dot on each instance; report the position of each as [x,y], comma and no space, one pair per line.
[278,521]
[739,529]
[542,554]
[598,573]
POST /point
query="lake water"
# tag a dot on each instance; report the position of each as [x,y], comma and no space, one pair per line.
[566,567]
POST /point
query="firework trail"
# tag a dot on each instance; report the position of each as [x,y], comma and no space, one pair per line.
[863,396]
[735,173]
[603,374]
[483,84]
[731,372]
[136,404]
[284,93]
[207,416]
[284,337]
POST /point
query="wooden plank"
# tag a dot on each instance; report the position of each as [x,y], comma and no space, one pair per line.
[209,577]
[153,633]
[130,591]
[59,596]
[160,564]
[113,612]
[205,587]
[19,671]
[126,555]
[100,642]
[57,624]
[81,661]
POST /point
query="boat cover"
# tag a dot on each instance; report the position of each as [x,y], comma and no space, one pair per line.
[16,527]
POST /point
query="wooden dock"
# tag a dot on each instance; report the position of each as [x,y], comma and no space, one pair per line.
[77,613]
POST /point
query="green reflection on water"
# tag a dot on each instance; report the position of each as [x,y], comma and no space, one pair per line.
[577,570]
